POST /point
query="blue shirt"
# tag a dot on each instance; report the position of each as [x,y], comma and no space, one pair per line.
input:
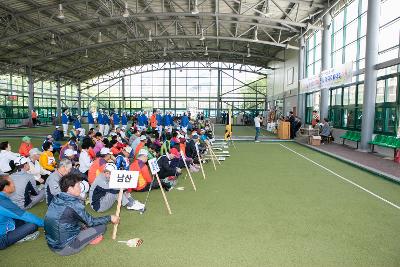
[64,119]
[184,121]
[159,119]
[90,118]
[77,124]
[10,211]
[99,118]
[116,118]
[124,120]
[106,119]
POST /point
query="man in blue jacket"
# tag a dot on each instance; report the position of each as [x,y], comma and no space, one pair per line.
[100,119]
[159,121]
[184,121]
[65,121]
[90,120]
[16,224]
[65,216]
[116,119]
[124,120]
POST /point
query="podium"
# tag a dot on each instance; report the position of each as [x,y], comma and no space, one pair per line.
[284,130]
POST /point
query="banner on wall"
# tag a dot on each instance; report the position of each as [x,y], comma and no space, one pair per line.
[328,78]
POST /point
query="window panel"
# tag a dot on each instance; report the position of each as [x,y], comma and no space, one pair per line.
[392,90]
[351,32]
[338,40]
[380,91]
[352,11]
[360,97]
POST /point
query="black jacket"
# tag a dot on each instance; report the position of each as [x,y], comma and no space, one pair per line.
[165,168]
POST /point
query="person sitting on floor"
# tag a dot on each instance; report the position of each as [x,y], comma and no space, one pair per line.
[47,160]
[25,146]
[26,194]
[58,135]
[16,224]
[7,157]
[102,198]
[65,233]
[168,174]
[145,177]
[35,168]
[98,164]
[52,185]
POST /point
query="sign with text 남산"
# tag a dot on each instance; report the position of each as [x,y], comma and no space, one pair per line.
[153,166]
[123,179]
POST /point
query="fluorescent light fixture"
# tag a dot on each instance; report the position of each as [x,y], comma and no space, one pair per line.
[99,38]
[60,14]
[248,52]
[165,52]
[53,40]
[149,39]
[86,54]
[256,35]
[126,11]
[206,51]
[195,9]
[202,38]
[125,53]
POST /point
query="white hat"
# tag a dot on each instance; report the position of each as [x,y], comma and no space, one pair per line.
[142,152]
[113,133]
[34,151]
[69,152]
[123,128]
[20,161]
[105,151]
[143,137]
[57,127]
[128,149]
[110,167]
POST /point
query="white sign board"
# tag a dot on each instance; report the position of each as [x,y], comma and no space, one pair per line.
[153,166]
[340,75]
[123,179]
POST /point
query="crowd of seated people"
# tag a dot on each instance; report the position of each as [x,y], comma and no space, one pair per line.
[57,172]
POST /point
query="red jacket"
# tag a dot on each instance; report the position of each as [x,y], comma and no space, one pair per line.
[145,177]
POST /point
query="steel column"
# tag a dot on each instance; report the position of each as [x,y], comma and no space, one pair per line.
[326,63]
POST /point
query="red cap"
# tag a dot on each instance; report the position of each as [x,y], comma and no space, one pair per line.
[174,152]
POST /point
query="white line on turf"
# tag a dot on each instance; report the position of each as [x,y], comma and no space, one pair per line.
[343,178]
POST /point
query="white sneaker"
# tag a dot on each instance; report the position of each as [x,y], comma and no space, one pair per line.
[256,141]
[30,237]
[136,206]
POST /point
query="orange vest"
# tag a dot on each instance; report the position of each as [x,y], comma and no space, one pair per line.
[95,169]
[182,148]
[139,146]
[144,175]
[34,115]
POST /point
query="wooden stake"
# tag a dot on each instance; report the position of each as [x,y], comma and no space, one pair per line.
[163,194]
[115,230]
[201,164]
[213,154]
[187,169]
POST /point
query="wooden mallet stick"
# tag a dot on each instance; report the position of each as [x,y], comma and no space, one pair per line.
[115,230]
[164,196]
[187,169]
[201,164]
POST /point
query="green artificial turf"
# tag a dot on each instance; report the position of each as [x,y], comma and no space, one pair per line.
[264,206]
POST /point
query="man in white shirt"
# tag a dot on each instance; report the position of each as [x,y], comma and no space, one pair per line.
[257,124]
[84,159]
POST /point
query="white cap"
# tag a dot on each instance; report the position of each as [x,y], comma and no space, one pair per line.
[20,161]
[34,151]
[123,128]
[110,167]
[57,127]
[69,152]
[105,151]
[113,133]
[128,149]
[143,137]
[142,152]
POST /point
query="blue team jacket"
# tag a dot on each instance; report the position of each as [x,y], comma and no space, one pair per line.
[64,119]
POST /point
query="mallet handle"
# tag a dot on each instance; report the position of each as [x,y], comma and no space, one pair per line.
[115,230]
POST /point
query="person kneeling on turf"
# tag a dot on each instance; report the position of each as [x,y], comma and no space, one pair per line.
[102,197]
[65,216]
